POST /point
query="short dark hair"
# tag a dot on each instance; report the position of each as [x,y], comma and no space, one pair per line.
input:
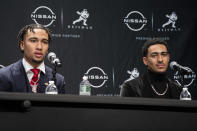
[153,41]
[31,27]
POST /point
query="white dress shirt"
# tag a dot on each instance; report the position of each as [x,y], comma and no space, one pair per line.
[28,68]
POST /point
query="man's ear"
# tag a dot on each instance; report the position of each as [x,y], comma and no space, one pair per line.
[21,45]
[145,60]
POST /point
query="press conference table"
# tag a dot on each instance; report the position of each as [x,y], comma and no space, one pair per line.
[40,112]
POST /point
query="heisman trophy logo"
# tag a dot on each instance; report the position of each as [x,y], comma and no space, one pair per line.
[133,74]
[172,18]
[83,16]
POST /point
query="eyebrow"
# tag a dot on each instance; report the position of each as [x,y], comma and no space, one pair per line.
[160,52]
[37,38]
[33,38]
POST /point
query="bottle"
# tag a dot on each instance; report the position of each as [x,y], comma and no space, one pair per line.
[51,88]
[185,95]
[85,87]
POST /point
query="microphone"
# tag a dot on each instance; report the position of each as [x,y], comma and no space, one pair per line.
[175,66]
[53,59]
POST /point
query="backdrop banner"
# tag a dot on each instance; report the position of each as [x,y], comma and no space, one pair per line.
[103,39]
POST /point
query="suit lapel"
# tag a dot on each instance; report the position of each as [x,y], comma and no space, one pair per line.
[43,81]
[20,78]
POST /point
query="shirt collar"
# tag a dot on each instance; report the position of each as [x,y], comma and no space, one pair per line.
[28,67]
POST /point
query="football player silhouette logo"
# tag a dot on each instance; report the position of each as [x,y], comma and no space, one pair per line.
[83,17]
[172,20]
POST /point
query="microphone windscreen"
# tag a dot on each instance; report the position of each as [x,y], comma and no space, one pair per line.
[172,64]
[51,54]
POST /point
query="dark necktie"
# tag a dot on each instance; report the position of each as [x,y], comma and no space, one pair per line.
[34,80]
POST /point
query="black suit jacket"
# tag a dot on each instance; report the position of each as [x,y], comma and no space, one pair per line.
[140,87]
[13,78]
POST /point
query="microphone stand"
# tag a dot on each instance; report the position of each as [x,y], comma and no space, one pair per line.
[54,73]
[182,79]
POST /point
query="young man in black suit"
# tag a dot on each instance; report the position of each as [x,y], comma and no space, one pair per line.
[30,74]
